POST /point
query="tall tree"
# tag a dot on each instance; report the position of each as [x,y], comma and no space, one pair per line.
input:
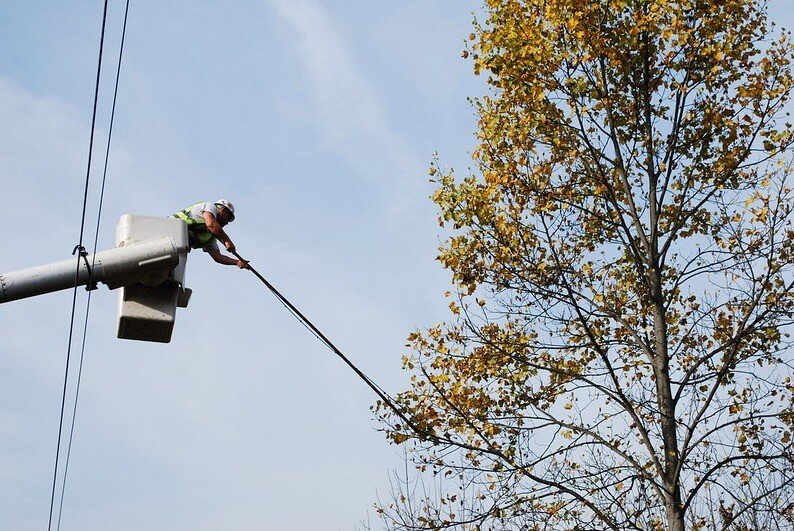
[619,355]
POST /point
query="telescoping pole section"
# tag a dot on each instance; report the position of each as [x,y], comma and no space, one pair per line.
[138,262]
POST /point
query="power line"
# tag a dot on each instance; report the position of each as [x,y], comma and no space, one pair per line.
[426,434]
[96,241]
[387,400]
[81,254]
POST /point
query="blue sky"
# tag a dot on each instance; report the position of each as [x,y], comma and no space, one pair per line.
[319,120]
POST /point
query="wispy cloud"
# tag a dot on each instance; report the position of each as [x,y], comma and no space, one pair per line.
[352,117]
[42,149]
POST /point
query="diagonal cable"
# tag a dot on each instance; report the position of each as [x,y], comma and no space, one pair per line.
[387,400]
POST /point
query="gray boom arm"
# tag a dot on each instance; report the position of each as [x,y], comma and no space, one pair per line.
[148,262]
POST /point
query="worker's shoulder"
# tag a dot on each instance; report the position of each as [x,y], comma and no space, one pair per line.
[202,206]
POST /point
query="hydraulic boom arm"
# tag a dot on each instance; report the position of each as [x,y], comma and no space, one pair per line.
[148,263]
[140,262]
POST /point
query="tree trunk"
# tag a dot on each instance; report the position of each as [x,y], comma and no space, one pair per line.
[675,514]
[661,364]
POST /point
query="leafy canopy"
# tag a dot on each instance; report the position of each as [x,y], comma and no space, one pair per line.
[622,259]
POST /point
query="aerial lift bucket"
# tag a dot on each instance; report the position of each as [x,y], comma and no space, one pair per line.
[147,309]
[148,263]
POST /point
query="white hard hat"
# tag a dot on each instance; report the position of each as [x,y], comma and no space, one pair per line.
[228,205]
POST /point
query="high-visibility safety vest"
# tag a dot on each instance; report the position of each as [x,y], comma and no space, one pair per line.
[198,235]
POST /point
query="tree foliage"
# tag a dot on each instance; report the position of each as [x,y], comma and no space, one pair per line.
[618,355]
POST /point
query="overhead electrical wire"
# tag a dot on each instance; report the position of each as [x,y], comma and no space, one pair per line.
[423,433]
[81,255]
[387,400]
[96,242]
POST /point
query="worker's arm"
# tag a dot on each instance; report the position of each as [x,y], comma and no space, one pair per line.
[227,260]
[215,228]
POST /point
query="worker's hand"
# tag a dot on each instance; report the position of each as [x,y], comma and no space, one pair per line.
[230,246]
[242,264]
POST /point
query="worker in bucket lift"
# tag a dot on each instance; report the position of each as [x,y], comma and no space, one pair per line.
[205,222]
